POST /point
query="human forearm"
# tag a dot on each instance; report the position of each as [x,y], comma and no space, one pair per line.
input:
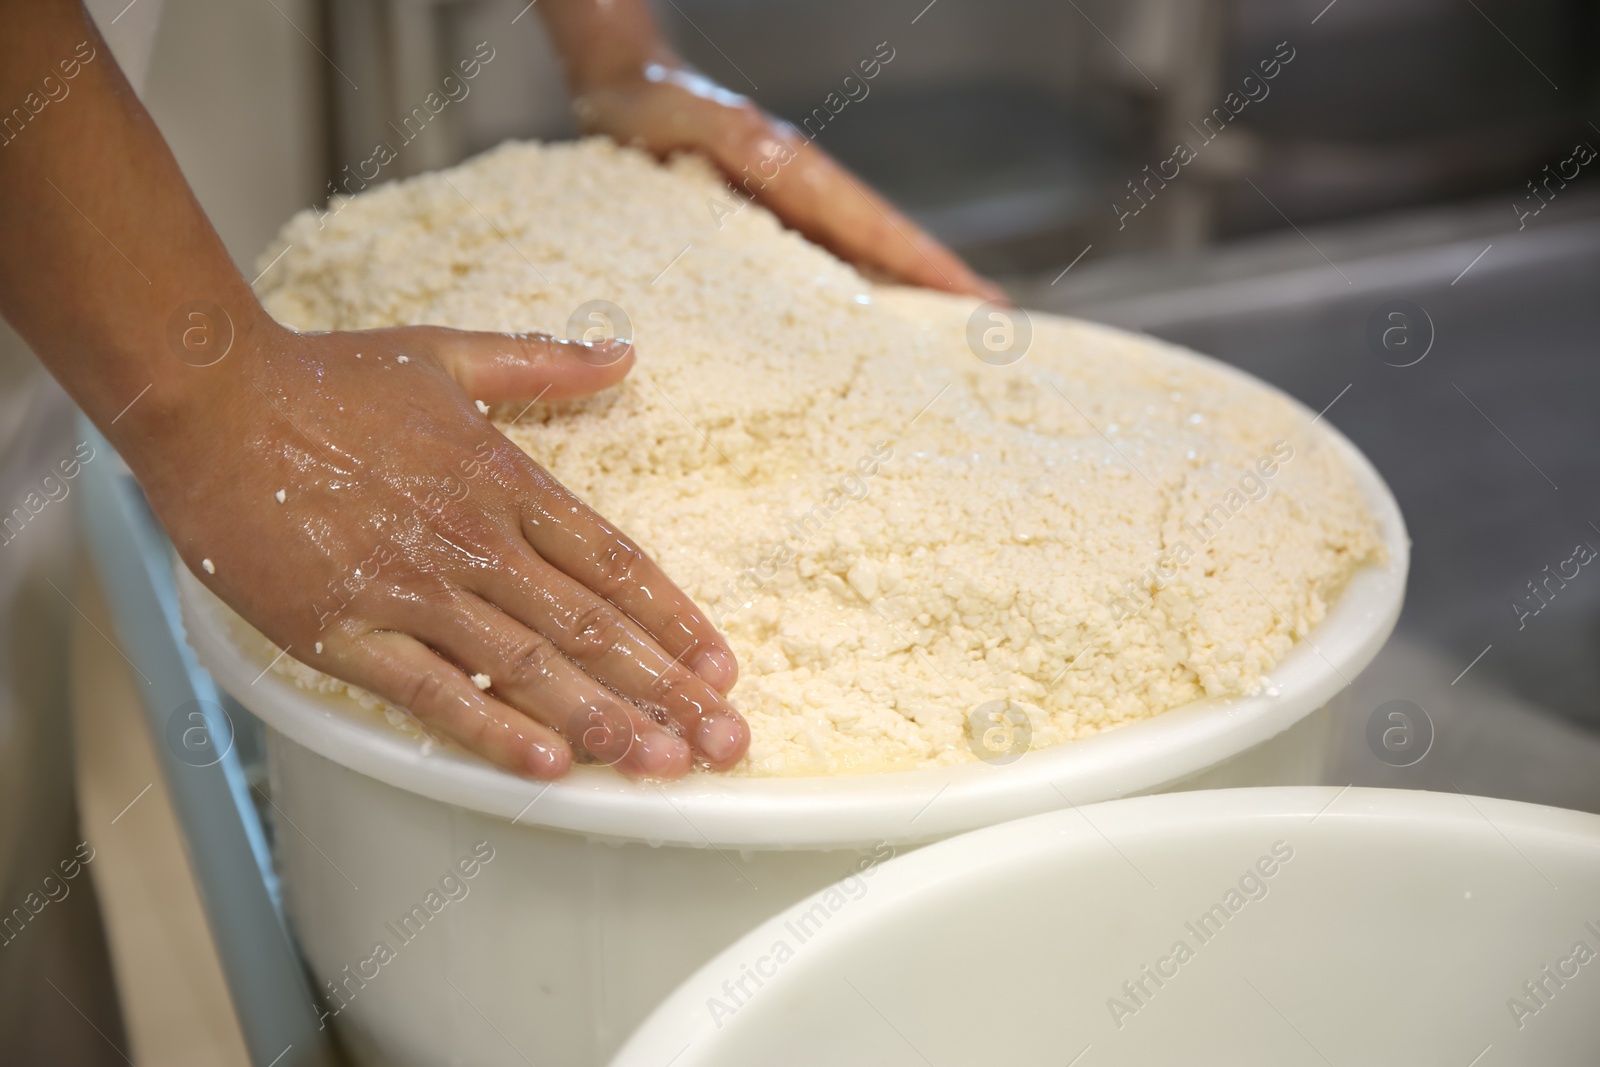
[601,42]
[103,243]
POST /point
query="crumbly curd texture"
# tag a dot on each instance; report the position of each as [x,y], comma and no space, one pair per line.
[891,532]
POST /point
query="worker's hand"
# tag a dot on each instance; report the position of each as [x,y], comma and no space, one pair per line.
[341,491]
[345,494]
[665,108]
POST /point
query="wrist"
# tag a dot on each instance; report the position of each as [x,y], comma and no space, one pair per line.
[605,43]
[200,380]
[596,73]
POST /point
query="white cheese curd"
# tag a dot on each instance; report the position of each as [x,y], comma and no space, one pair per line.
[890,531]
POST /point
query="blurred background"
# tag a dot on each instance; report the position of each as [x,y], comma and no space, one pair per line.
[1010,128]
[1347,162]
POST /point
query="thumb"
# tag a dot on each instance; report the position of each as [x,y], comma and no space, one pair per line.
[498,367]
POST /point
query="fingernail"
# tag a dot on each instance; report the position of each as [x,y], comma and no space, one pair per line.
[604,353]
[721,737]
[660,754]
[717,668]
[548,762]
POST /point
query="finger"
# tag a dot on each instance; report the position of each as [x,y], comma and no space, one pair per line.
[602,641]
[823,201]
[526,670]
[496,367]
[405,672]
[816,196]
[578,542]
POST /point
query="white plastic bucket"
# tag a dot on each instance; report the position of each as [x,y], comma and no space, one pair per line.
[1320,926]
[604,894]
